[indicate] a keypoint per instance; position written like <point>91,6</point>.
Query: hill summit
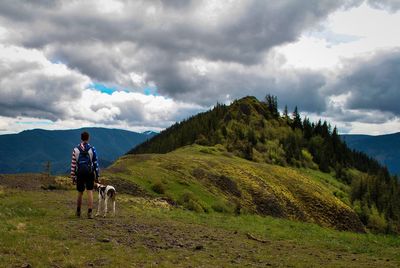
<point>256,132</point>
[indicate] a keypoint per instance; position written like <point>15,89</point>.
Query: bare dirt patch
<point>26,182</point>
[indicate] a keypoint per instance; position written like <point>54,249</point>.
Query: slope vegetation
<point>255,130</point>
<point>206,179</point>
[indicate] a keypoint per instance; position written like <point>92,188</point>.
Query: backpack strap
<point>82,150</point>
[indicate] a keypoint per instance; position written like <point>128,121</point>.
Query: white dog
<point>105,192</point>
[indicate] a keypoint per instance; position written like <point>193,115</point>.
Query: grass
<point>216,178</point>
<point>39,228</point>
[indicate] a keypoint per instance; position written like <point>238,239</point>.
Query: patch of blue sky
<point>57,61</point>
<point>150,91</point>
<point>103,88</point>
<point>45,122</point>
<point>334,38</point>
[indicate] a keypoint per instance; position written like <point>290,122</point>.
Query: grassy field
<point>38,229</point>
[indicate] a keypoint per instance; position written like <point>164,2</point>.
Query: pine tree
<point>286,113</point>
<point>272,103</point>
<point>296,124</point>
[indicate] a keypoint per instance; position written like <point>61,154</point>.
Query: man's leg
<point>90,198</point>
<point>79,204</point>
<point>80,187</point>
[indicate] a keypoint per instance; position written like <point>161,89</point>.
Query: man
<point>84,171</point>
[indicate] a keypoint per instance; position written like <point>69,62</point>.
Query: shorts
<point>85,182</point>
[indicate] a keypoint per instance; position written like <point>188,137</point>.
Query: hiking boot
<point>90,215</point>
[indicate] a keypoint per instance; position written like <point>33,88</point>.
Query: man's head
<point>85,136</point>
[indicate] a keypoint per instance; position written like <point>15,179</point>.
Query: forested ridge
<point>257,131</point>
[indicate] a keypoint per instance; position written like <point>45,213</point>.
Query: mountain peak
<point>254,130</point>
<point>149,133</point>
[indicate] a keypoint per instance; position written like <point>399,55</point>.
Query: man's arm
<point>73,166</point>
<point>95,164</point>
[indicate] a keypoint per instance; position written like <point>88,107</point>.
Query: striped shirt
<point>75,156</point>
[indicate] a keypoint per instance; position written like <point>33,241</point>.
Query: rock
<point>105,240</point>
<point>199,247</point>
<point>26,265</point>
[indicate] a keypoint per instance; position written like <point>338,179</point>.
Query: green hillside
<point>206,179</point>
<point>254,130</point>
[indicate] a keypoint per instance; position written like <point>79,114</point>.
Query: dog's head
<point>98,186</point>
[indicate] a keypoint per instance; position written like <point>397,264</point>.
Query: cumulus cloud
<point>156,38</point>
<point>229,30</point>
<point>392,5</point>
<point>372,83</point>
<point>225,82</point>
<point>191,54</point>
<point>133,108</point>
<point>31,85</point>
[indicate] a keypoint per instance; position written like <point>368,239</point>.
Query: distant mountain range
<point>384,148</point>
<point>29,150</point>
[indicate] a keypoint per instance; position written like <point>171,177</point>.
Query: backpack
<point>84,165</point>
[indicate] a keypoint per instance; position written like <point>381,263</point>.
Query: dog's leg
<point>105,206</point>
<point>113,200</point>
<point>99,206</point>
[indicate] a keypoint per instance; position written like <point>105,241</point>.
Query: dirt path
<point>194,245</point>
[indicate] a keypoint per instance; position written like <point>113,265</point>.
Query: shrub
<point>189,201</point>
<point>257,156</point>
<point>308,159</point>
<point>202,140</point>
<point>158,187</point>
<point>194,206</point>
<point>206,150</point>
<point>220,147</point>
<point>221,207</point>
<point>238,208</point>
<point>342,196</point>
<point>362,210</point>
<point>376,221</point>
<point>275,153</point>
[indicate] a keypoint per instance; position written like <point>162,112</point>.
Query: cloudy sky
<point>143,65</point>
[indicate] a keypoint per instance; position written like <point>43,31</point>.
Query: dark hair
<point>84,136</point>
